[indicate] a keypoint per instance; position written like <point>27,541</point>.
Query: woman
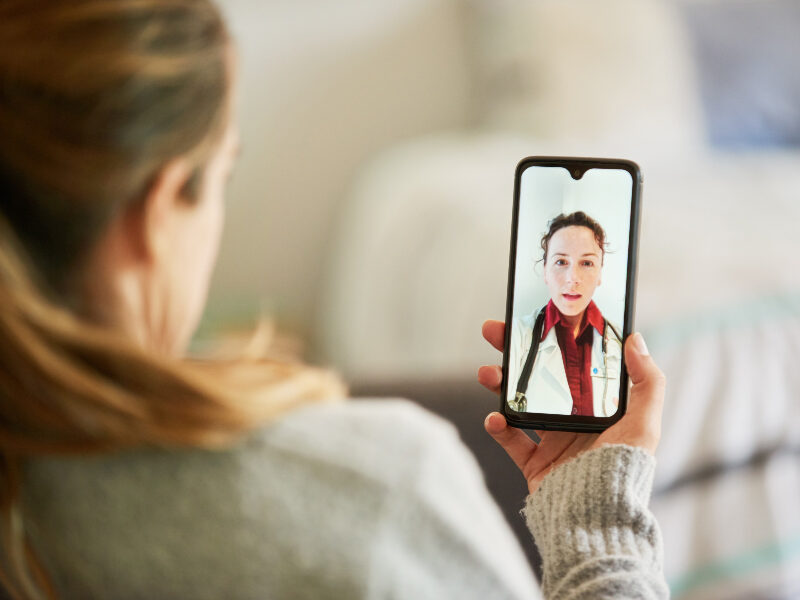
<point>128,472</point>
<point>565,358</point>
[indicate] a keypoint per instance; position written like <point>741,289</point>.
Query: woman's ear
<point>161,206</point>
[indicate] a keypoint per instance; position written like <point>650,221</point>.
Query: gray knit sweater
<point>374,499</point>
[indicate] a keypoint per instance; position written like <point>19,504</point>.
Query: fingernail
<point>488,418</point>
<point>639,344</point>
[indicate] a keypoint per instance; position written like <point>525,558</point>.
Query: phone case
<point>568,422</point>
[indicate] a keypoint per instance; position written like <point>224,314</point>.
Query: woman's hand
<point>640,426</point>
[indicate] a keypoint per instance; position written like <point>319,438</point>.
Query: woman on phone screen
<point>128,471</point>
<point>571,366</point>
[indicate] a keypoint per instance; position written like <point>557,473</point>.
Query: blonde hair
<point>95,97</point>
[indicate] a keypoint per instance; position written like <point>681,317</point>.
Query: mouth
<point>571,297</point>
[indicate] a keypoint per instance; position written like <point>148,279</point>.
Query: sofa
<point>372,217</point>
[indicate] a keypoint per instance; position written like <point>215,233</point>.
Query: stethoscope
<point>604,347</point>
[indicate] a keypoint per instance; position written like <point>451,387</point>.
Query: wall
<point>322,87</point>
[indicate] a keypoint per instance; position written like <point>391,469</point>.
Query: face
<point>194,239</point>
<point>572,269</point>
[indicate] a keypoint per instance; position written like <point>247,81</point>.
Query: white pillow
<point>617,71</point>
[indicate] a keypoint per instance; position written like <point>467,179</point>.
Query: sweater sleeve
<point>595,533</point>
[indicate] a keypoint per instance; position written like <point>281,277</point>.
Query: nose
<point>572,274</point>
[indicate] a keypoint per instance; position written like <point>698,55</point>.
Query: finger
<point>551,446</point>
<point>647,392</point>
<point>495,333</point>
<point>519,447</point>
<point>491,377</point>
<point>562,453</point>
<point>641,366</point>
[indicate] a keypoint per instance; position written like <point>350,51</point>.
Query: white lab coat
<point>548,390</point>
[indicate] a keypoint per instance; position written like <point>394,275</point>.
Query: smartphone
<point>571,292</point>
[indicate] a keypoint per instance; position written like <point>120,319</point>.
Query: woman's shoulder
<point>381,438</point>
<point>359,433</point>
<point>272,510</point>
<point>392,420</point>
<point>375,440</point>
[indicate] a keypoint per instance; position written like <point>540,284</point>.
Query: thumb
<point>647,392</point>
<point>641,366</point>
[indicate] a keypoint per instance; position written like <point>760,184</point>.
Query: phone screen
<point>571,288</point>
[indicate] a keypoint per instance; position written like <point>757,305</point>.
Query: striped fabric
<point>728,483</point>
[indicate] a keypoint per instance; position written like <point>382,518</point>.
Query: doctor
<point>575,366</point>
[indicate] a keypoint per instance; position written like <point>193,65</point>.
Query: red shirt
<point>576,352</point>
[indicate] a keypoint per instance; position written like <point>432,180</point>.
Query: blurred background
<point>370,217</point>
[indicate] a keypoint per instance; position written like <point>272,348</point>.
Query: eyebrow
<point>584,254</point>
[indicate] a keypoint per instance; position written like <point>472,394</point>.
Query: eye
<point>560,262</point>
<point>588,263</point>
